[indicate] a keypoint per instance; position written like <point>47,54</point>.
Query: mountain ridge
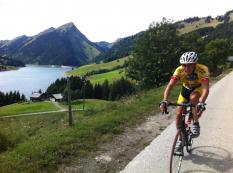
<point>64,45</point>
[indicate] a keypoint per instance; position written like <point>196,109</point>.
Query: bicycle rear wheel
<point>176,160</point>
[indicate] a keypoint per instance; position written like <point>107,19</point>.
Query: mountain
<point>121,48</point>
<point>2,42</point>
<point>64,45</point>
<point>104,45</point>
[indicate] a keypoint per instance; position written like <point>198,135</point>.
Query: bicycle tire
<point>175,160</point>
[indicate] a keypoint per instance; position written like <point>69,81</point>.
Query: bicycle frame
<point>184,127</point>
<point>184,133</point>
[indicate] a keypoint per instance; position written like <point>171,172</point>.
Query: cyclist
<point>195,88</point>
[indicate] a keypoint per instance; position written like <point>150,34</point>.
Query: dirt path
<point>56,104</point>
<point>114,156</point>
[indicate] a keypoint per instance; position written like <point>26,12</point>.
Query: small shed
<point>56,97</point>
<point>230,58</point>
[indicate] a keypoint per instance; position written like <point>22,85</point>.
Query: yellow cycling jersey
<point>193,80</point>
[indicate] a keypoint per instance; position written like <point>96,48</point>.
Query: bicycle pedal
<point>178,154</point>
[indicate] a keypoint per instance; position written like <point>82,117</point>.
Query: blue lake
<point>30,78</point>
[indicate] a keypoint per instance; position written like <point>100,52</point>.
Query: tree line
<point>82,88</point>
<point>11,97</point>
<point>6,61</point>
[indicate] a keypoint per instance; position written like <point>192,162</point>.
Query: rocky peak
<point>46,31</point>
<point>66,27</point>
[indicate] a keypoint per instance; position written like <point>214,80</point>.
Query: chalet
<point>36,96</point>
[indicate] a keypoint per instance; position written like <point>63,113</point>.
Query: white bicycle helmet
<point>188,58</point>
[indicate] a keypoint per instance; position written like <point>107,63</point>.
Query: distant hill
<point>123,47</point>
<point>104,45</point>
<point>65,45</point>
<point>195,23</point>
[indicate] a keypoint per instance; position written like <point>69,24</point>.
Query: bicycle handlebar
<point>182,104</point>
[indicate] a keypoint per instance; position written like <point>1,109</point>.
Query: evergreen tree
<point>97,91</point>
<point>18,96</point>
<point>106,90</point>
<point>23,98</point>
<point>88,90</point>
<point>121,88</point>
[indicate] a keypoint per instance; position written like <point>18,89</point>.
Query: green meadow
<point>80,71</point>
<point>110,76</point>
<point>27,107</point>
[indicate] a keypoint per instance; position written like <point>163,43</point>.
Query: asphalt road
<point>212,151</point>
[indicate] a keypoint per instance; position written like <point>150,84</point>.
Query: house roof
<point>57,96</point>
<point>230,58</point>
<point>35,95</point>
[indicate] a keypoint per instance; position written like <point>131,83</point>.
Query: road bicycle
<point>184,134</point>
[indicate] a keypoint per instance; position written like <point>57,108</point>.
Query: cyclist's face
<point>188,68</point>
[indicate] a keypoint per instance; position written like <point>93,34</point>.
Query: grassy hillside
<point>27,107</point>
<point>188,27</point>
<point>110,76</point>
<point>80,71</point>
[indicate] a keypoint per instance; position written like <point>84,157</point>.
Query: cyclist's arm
<point>169,87</point>
<point>205,90</point>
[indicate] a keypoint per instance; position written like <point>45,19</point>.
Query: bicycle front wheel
<point>189,143</point>
<point>176,159</point>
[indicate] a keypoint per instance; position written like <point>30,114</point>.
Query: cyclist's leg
<point>194,99</point>
<point>183,97</point>
<point>180,100</point>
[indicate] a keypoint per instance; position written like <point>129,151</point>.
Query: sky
<point>99,20</point>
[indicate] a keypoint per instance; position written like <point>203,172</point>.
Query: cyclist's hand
<point>163,107</point>
<point>201,106</point>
